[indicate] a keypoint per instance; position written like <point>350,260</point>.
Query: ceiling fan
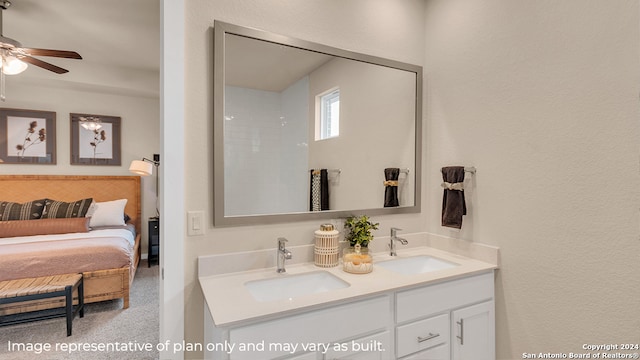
<point>11,50</point>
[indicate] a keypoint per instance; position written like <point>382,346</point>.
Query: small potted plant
<point>356,259</point>
<point>359,230</point>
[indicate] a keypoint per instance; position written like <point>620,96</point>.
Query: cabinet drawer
<point>422,302</point>
<point>440,352</point>
<point>422,334</point>
<point>316,326</point>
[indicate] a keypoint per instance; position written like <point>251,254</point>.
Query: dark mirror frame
<point>220,29</point>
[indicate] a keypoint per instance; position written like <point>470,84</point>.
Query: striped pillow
<point>59,209</point>
<point>31,210</point>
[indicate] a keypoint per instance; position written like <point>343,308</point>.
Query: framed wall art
<point>95,139</point>
<point>27,136</point>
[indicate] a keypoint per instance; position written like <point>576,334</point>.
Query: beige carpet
<point>106,324</point>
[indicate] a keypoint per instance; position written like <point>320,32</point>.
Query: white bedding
<point>122,233</point>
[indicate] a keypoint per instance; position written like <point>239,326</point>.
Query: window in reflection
<point>329,117</point>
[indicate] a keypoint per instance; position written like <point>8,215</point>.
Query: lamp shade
<point>141,168</point>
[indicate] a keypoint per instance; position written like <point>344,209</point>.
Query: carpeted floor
<point>105,324</point>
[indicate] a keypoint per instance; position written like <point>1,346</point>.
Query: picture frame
<point>27,137</point>
<point>95,147</point>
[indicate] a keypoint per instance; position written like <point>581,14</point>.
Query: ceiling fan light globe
<point>90,125</point>
<point>13,66</point>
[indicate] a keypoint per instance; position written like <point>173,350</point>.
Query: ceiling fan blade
<point>55,53</point>
<point>42,64</point>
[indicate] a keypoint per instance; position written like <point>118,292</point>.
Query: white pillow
<point>108,213</point>
<point>91,209</point>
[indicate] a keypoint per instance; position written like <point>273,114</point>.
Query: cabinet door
<point>473,334</point>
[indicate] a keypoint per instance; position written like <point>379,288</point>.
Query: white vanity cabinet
<point>448,320</point>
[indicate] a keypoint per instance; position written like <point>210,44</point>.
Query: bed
<point>107,276</point>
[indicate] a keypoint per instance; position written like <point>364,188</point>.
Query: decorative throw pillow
<point>43,227</point>
<point>26,211</point>
<point>54,209</point>
<point>108,213</point>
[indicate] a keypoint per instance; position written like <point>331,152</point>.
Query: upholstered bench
<point>19,290</point>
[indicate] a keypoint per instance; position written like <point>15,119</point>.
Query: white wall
<point>542,97</point>
<point>139,133</point>
<point>172,187</point>
<point>367,26</point>
<point>265,167</point>
<point>294,150</point>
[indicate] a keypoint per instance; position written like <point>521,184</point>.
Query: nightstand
<point>154,241</point>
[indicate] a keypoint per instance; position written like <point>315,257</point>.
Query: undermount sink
<point>416,264</point>
<point>290,286</point>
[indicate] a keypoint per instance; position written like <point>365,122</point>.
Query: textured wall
<point>542,97</point>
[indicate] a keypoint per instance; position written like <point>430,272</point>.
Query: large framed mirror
<point>306,131</point>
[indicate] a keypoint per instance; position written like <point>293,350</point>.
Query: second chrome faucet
<point>392,242</point>
<point>283,254</point>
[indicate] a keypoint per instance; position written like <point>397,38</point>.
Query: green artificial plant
<point>359,230</point>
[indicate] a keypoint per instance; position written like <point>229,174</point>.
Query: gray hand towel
<point>453,204</point>
<point>391,187</point>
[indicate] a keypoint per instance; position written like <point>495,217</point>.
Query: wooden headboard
<point>22,188</point>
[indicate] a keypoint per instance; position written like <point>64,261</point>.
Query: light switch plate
<point>195,223</point>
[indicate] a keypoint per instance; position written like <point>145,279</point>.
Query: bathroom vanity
<point>426,302</point>
<point>447,313</point>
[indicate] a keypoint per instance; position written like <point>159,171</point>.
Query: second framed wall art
<point>95,139</point>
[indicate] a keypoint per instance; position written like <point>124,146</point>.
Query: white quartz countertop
<point>231,303</point>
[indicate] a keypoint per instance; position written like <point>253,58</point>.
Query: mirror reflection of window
<point>329,114</point>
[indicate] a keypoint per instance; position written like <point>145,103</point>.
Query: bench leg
<point>81,297</point>
<point>69,307</point>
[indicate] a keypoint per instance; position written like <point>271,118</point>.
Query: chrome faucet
<point>394,238</point>
<point>283,254</point>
